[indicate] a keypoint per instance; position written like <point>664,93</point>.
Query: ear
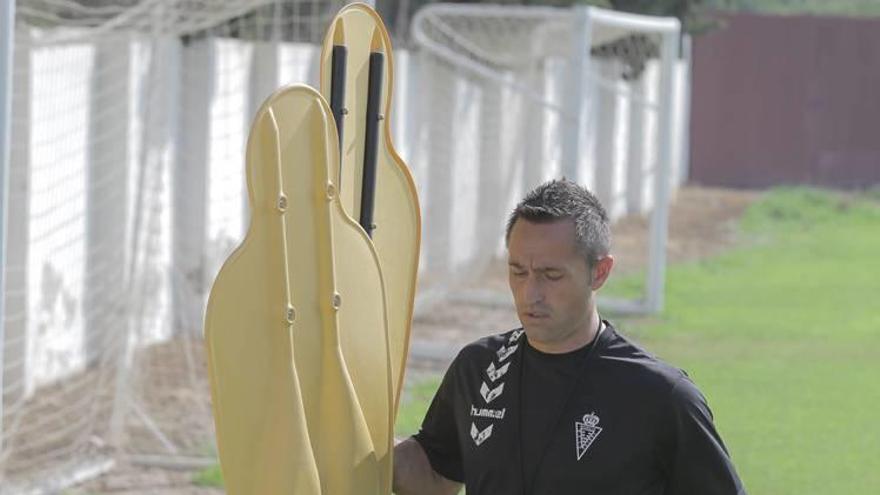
<point>601,271</point>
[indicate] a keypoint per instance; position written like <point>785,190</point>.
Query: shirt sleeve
<point>438,435</point>
<point>695,459</point>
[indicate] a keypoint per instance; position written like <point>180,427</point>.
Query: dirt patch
<point>63,430</point>
<point>702,223</point>
<point>127,479</point>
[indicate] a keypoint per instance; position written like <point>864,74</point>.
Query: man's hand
<point>413,474</point>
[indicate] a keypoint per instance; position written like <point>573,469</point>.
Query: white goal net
<point>129,119</point>
<point>513,96</point>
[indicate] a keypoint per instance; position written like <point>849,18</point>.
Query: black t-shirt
<point>547,382</point>
<point>607,418</point>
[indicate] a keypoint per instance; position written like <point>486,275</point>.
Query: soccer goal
<point>513,96</point>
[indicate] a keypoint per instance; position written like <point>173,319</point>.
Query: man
<point>565,405</point>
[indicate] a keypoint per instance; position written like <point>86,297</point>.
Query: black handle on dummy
<point>337,89</point>
<point>371,141</point>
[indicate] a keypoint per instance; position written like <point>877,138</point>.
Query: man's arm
<point>413,474</point>
<point>698,462</point>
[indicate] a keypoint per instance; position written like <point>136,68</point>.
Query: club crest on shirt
<point>496,373</point>
<point>480,436</point>
<point>505,352</point>
<point>585,433</point>
<point>490,394</point>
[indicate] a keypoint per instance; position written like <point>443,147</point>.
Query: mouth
<point>536,316</point>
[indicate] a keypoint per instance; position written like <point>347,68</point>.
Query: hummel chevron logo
<point>495,374</point>
<point>480,436</point>
<point>491,394</point>
<point>515,336</point>
<point>505,352</point>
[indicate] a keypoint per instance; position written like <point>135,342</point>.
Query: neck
<point>577,339</point>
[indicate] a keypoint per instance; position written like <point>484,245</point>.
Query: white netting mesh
<point>128,128</point>
<point>519,95</point>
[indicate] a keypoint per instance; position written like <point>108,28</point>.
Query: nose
<point>533,290</point>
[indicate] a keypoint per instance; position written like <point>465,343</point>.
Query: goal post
<point>7,24</point>
<point>587,93</point>
<point>669,31</point>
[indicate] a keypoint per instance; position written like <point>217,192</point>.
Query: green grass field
<point>782,335</point>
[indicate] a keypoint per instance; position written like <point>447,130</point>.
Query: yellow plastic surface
<point>287,416</point>
<point>396,214</point>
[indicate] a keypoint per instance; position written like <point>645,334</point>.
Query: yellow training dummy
<point>308,321</point>
<point>357,75</point>
<point>287,415</point>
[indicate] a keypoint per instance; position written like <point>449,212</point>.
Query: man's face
<point>551,283</point>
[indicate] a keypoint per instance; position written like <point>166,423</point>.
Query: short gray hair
<point>565,200</point>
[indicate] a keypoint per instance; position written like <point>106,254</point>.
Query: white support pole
<point>574,124</point>
<point>7,26</point>
<point>411,114</point>
<point>264,79</point>
<point>190,187</point>
<point>534,161</point>
<point>160,121</point>
<point>440,198</point>
<point>637,123</point>
<point>16,368</point>
<point>492,153</point>
<point>665,153</point>
<point>107,198</point>
<point>605,116</point>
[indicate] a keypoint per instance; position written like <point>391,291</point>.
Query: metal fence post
<point>7,25</point>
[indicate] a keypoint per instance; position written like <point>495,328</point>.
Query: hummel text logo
<point>480,436</point>
<point>490,394</point>
<point>488,413</point>
<point>495,374</point>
